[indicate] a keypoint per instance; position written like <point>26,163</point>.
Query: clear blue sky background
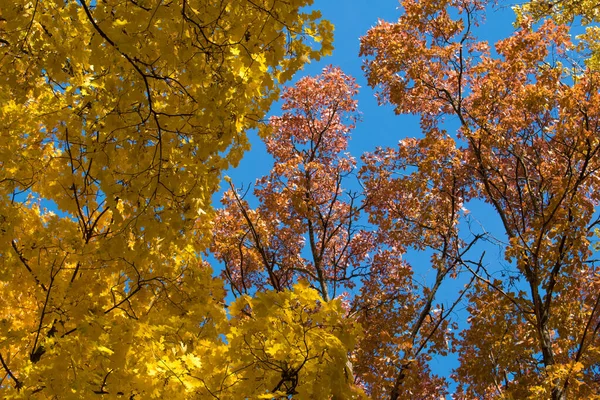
<point>379,125</point>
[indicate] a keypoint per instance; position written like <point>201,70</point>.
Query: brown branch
<point>127,57</point>
<point>502,292</point>
<point>25,262</point>
<point>38,351</point>
<point>103,384</point>
<point>267,264</point>
<point>18,383</point>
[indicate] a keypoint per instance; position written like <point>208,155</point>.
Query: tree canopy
<point>116,120</point>
<point>120,279</point>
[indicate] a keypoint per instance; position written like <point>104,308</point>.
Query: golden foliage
<point>116,120</point>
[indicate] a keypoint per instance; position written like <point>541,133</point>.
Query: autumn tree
<point>303,204</point>
<point>306,224</point>
<point>527,145</point>
<point>310,225</point>
<point>116,120</point>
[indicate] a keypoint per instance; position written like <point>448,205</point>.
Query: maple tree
<point>116,120</point>
<point>302,200</point>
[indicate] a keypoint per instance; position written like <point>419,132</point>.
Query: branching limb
<point>18,383</point>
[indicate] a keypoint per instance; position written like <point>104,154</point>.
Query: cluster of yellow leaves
<point>562,11</point>
<point>292,343</point>
<point>116,120</point>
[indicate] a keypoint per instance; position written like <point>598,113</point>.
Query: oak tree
<point>527,144</point>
